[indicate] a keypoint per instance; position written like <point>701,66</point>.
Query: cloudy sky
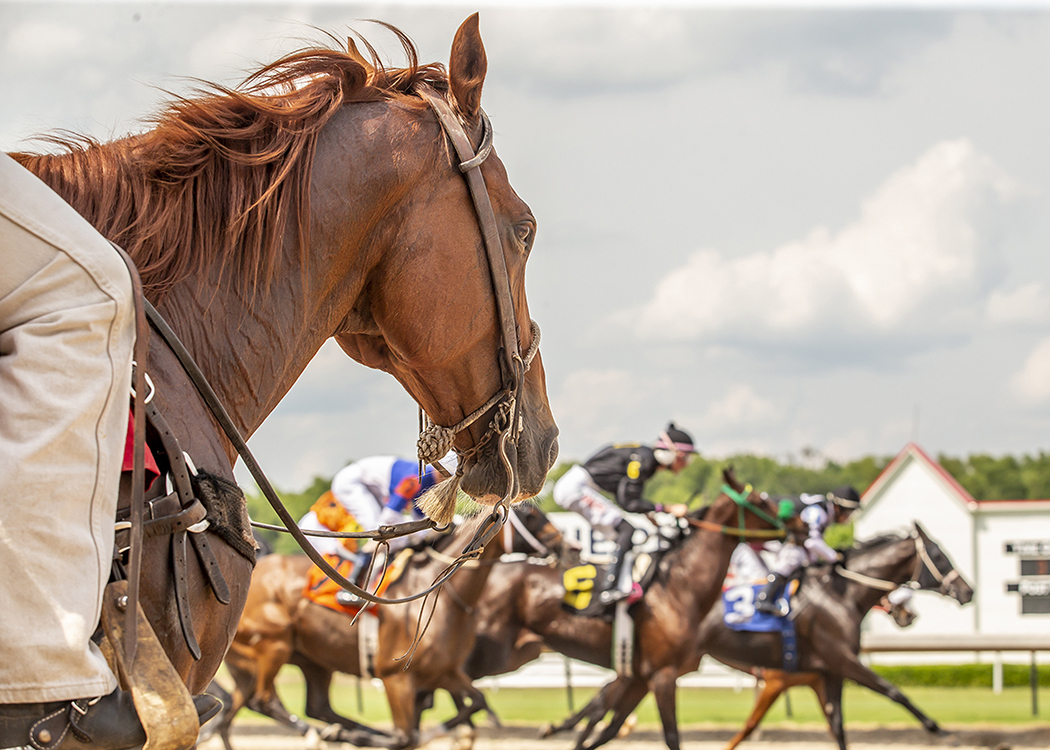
<point>784,227</point>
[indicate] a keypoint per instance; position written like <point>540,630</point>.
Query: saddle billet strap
<point>182,601</point>
<point>180,475</point>
<point>210,566</point>
<point>138,471</point>
<point>167,516</point>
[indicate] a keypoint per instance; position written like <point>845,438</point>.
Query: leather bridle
<point>435,440</point>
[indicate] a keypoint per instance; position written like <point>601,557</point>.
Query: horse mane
<point>867,545</point>
<point>224,170</point>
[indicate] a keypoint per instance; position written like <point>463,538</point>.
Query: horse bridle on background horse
<point>923,563</point>
<point>744,504</point>
<point>435,440</point>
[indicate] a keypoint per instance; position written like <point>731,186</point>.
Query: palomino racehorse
<point>279,625</point>
<point>829,607</point>
<point>321,200</point>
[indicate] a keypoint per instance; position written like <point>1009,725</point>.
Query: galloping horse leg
<point>256,691</point>
<point>631,695</point>
<point>773,685</point>
<point>595,709</point>
<point>860,674</point>
<point>401,695</point>
<point>468,699</point>
<point>832,707</point>
<point>318,704</point>
<point>664,684</point>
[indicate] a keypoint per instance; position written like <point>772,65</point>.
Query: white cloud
<point>739,406</point>
<point>587,397</point>
<point>1032,383</point>
<point>1025,304</point>
<point>43,44</point>
<point>914,260</point>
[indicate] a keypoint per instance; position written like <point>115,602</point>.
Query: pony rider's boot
<point>106,723</point>
<point>610,588</point>
<point>766,600</point>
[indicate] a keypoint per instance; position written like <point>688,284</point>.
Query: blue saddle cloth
<point>739,613</point>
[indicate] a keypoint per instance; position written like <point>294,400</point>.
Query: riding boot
<point>611,588</point>
<point>766,600</point>
<point>106,723</point>
<point>356,572</point>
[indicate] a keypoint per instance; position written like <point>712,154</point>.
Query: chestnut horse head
<point>322,199</point>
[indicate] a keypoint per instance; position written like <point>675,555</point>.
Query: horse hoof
<point>464,738</point>
<point>628,725</point>
<point>546,730</point>
<point>312,739</point>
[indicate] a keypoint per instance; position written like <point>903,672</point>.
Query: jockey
<point>66,337</point>
<point>621,471</point>
<point>817,512</point>
<point>369,493</point>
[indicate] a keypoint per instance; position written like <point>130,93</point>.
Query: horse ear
<point>920,529</point>
<point>467,67</point>
<point>729,476</point>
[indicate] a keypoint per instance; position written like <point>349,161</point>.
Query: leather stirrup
<point>162,701</point>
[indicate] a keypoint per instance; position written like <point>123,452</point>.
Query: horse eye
<point>524,232</point>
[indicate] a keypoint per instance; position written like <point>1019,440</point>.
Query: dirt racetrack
<point>260,737</point>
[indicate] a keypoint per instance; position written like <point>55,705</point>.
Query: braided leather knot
<point>434,443</point>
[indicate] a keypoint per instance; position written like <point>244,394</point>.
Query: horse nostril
<point>552,455</point>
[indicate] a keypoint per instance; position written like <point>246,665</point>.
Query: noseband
<point>436,440</point>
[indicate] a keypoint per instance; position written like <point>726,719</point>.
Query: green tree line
<point>984,476</point>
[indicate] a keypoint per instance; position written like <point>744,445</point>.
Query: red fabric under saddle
<point>152,470</point>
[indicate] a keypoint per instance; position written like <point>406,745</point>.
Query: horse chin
<point>962,594</point>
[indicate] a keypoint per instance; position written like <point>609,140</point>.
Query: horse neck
<point>469,581</point>
<point>892,563</point>
<point>251,344</point>
<point>696,572</point>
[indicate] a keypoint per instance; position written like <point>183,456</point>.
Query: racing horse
<point>829,607</point>
<point>686,584</point>
<point>280,625</point>
<point>772,683</point>
<point>320,199</point>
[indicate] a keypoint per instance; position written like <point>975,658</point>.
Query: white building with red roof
<point>1001,547</point>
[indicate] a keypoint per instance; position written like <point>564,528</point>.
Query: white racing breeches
<point>576,491</point>
<point>66,336</point>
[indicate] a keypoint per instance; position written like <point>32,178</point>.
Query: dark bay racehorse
<point>829,607</point>
<point>687,584</point>
<point>319,200</point>
<point>280,626</point>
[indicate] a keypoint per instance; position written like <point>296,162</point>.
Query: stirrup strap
<point>138,490</point>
